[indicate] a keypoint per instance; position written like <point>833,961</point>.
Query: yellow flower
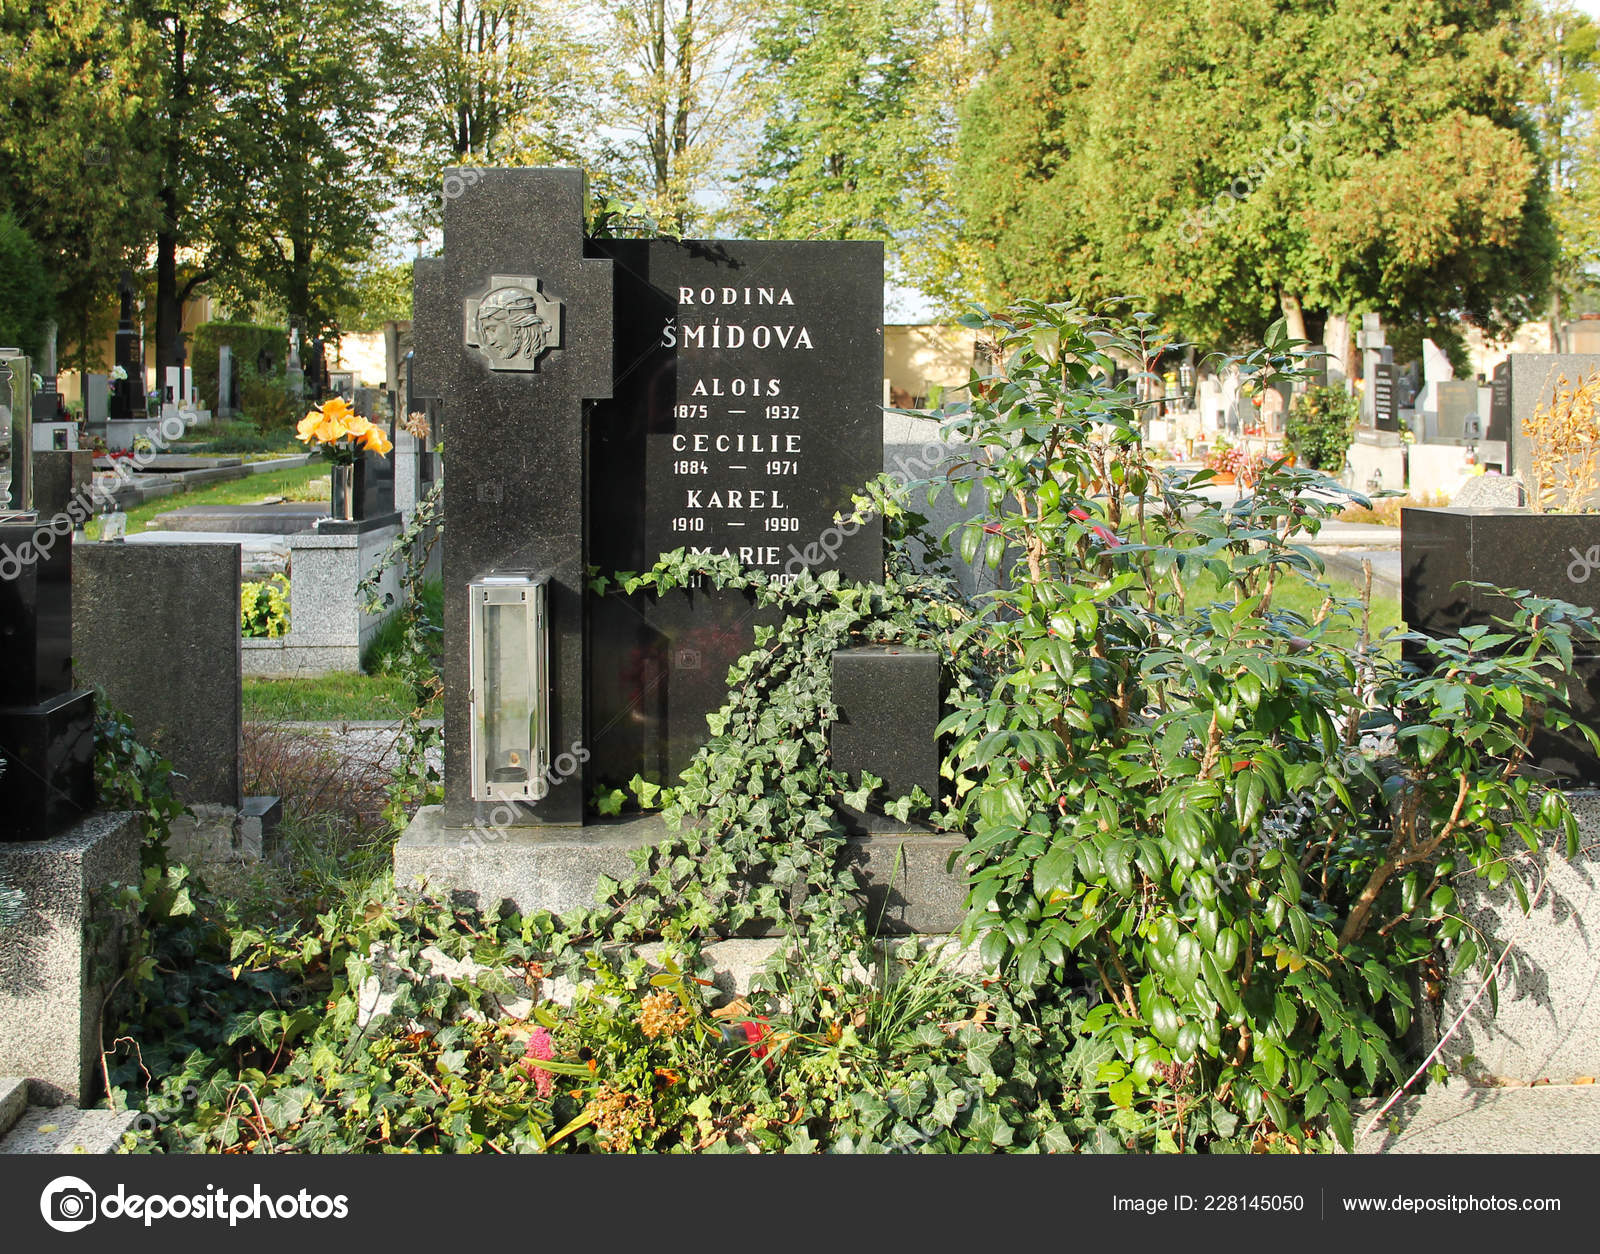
<point>330,430</point>
<point>306,431</point>
<point>337,408</point>
<point>357,427</point>
<point>377,441</point>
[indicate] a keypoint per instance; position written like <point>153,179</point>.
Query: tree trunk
<point>1336,339</point>
<point>169,305</point>
<point>1293,316</point>
<point>169,309</point>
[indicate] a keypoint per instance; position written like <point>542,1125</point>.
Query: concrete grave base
<point>556,868</point>
<point>220,834</point>
<point>732,965</point>
<point>328,623</point>
<point>50,1000</point>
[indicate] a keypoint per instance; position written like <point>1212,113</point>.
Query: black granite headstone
<point>46,729</point>
<point>1385,401</point>
<point>514,378</point>
<point>889,703</point>
<point>1550,555</point>
<point>127,394</point>
<point>746,413</point>
<point>735,392</point>
<point>375,475</point>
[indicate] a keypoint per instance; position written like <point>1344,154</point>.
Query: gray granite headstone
<point>1522,383</point>
<point>514,495</point>
<point>225,382</point>
<point>157,627</point>
<point>96,399</point>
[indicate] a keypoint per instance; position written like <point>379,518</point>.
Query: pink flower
<point>540,1046</point>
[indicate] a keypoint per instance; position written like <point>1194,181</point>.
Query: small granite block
<point>1548,1024</point>
<point>68,1131</point>
<point>890,705</point>
<point>49,1001</point>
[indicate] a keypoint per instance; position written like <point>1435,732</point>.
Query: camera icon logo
<point>68,1204</point>
<point>688,659</point>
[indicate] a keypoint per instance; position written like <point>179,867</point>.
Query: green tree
<point>77,169</point>
<point>1240,160</point>
<point>1563,103</point>
<point>859,124</point>
<point>675,103</point>
<point>487,83</point>
<point>306,146</point>
<point>26,294</point>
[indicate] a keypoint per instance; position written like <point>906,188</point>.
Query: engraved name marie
<point>513,324</point>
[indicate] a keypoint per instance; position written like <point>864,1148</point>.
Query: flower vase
<point>344,492</point>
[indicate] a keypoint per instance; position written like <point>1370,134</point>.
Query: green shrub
<point>1239,825</point>
<point>1320,426</point>
<point>264,608</point>
<point>268,403</point>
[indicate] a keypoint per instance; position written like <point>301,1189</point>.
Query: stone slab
<point>164,462</point>
<point>277,519</point>
<point>63,1130</point>
<point>556,868</point>
<point>1346,565</point>
<point>59,478</point>
<point>13,1100</point>
<point>1462,1119</point>
<point>157,626</point>
<point>50,998</point>
<point>261,554</point>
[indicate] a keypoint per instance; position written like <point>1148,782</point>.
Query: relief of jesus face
<point>496,336</point>
<point>510,327</point>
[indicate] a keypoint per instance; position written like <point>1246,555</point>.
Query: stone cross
<point>513,334</point>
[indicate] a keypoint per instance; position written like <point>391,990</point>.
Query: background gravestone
<point>157,626</point>
<point>1522,383</point>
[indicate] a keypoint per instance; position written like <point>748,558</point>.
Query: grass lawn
<point>359,697</point>
<point>301,483</point>
<point>1295,593</point>
<point>326,698</point>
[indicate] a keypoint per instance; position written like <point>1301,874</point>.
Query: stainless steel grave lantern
<point>510,697</point>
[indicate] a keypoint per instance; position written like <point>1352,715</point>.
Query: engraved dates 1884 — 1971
<point>513,324</point>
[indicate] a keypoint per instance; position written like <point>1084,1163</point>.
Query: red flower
<point>756,1032</point>
<point>541,1047</point>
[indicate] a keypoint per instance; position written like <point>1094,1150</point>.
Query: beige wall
<point>364,353</point>
<point>916,358</point>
